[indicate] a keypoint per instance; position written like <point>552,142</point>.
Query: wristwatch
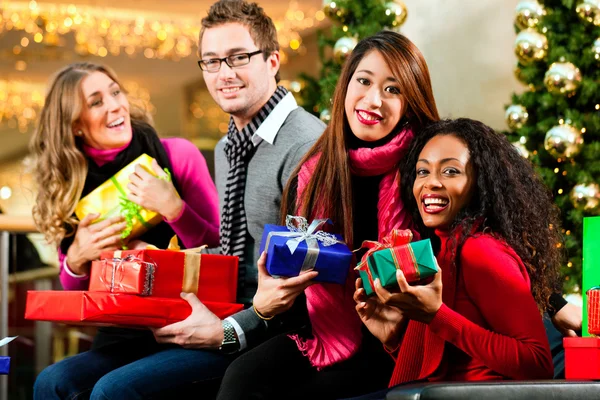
<point>230,343</point>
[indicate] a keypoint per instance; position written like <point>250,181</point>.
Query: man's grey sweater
<point>267,174</point>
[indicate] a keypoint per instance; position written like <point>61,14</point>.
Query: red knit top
<point>488,327</point>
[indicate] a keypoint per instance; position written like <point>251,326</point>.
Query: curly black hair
<point>510,201</point>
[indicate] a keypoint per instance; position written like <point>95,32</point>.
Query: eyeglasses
<point>234,60</point>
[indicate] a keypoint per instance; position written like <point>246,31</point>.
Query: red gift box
<point>211,277</point>
<point>582,358</point>
<point>120,276</point>
<point>107,309</point>
<point>593,309</point>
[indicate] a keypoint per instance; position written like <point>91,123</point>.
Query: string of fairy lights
<point>65,31</point>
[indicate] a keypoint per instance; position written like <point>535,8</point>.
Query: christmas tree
<point>352,21</point>
<point>555,122</point>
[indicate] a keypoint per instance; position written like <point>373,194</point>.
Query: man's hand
<point>568,320</point>
<point>276,295</point>
<point>385,322</point>
<point>155,194</point>
<point>201,330</point>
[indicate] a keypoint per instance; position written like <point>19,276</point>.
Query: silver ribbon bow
<point>300,231</point>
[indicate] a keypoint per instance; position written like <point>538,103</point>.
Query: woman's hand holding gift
<point>276,295</point>
<point>154,193</point>
<point>92,239</point>
<point>419,303</point>
<point>385,322</point>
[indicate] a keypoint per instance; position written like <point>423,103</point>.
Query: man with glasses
<point>268,135</point>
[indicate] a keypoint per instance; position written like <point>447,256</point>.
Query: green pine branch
<point>569,40</point>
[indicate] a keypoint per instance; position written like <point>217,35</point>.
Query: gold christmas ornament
<point>563,141</point>
<point>516,116</point>
<point>586,197</point>
<point>589,11</point>
<point>398,10</point>
<point>333,10</point>
<point>325,116</point>
<point>342,49</point>
<point>528,14</point>
<point>329,8</point>
<point>521,149</point>
<point>596,49</point>
<point>519,74</point>
<point>531,46</point>
<point>563,78</point>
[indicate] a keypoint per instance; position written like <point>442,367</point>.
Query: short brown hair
<point>251,15</point>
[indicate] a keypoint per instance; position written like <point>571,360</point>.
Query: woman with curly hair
<point>87,132</point>
<point>496,229</point>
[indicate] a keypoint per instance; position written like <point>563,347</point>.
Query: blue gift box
<point>4,365</point>
<point>5,361</point>
<point>332,262</point>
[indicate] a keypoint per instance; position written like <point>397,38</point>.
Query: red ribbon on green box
<point>416,260</point>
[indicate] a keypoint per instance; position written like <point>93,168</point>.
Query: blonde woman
<point>87,132</point>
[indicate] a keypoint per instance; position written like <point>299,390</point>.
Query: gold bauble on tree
<point>516,116</point>
<point>342,49</point>
<point>563,141</point>
<point>531,46</point>
<point>589,11</point>
<point>519,74</point>
<point>398,10</point>
<point>333,10</point>
<point>329,8</point>
<point>586,197</point>
<point>325,116</point>
<point>596,49</point>
<point>521,149</point>
<point>563,78</point>
<point>528,14</point>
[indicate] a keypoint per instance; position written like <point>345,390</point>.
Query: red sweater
<point>488,327</point>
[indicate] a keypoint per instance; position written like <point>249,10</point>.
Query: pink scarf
<point>336,327</point>
<point>102,157</point>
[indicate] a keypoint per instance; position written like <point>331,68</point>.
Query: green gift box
<point>591,263</point>
<point>416,260</point>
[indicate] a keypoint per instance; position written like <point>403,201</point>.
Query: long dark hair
<point>510,201</point>
<point>329,188</point>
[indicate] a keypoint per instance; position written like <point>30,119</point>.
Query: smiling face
<point>104,121</point>
<point>239,91</point>
<point>444,182</point>
<point>373,104</point>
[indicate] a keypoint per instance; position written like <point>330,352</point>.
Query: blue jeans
<point>555,339</point>
<point>129,371</point>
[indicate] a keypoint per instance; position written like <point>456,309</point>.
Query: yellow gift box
<point>110,199</point>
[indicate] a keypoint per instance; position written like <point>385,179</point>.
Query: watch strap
<point>230,340</point>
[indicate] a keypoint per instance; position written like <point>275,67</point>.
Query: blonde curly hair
<point>60,165</point>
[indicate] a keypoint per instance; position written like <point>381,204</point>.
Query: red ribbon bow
<point>397,237</point>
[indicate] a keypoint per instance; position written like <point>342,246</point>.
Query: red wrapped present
<point>128,275</point>
<point>210,277</point>
<point>582,358</point>
<point>593,310</point>
<point>109,309</point>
